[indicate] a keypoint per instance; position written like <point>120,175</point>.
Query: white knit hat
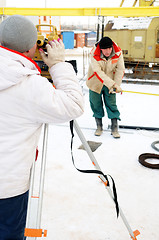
<point>18,33</point>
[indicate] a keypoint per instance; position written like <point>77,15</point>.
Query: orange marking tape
<point>136,233</point>
<point>45,233</point>
<point>105,183</point>
<point>30,232</point>
<point>93,163</point>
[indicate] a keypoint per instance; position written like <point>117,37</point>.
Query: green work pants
<point>96,103</point>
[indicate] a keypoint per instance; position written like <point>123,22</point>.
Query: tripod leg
<point>95,163</point>
<point>33,230</point>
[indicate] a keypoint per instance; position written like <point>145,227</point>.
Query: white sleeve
<point>62,103</point>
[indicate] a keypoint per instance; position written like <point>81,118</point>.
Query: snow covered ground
<point>77,206</point>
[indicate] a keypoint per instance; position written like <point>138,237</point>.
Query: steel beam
<point>121,4</point>
<point>119,11</point>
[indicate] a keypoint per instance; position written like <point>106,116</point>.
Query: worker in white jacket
<point>27,101</point>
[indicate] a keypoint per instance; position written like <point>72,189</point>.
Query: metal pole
<point>32,174</point>
<point>102,26</point>
<point>95,163</point>
<point>42,174</point>
<point>98,28</point>
<point>34,211</point>
<point>83,63</point>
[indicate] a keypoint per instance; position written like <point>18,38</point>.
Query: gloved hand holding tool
<point>115,89</point>
<point>55,53</point>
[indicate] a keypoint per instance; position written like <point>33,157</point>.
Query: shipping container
<point>90,39</point>
<point>79,40</point>
<point>68,39</point>
<point>138,45</point>
<point>139,41</point>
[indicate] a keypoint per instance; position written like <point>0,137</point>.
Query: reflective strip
<point>101,80</point>
<point>91,76</point>
<point>114,61</point>
<point>95,74</point>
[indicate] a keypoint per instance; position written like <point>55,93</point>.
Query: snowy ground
<point>77,206</point>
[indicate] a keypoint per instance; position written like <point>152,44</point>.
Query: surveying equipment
<point>42,41</point>
<point>103,178</point>
<point>34,212</point>
<point>33,229</point>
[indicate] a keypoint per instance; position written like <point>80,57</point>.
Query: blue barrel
<point>68,39</point>
<point>90,39</point>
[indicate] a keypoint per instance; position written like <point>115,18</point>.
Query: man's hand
<point>55,53</point>
<point>115,89</point>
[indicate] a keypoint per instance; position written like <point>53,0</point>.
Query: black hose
<point>154,147</point>
<point>139,128</point>
<point>144,156</point>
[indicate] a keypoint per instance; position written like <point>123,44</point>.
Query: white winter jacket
<point>28,100</point>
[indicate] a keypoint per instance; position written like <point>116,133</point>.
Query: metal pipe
<point>102,26</point>
<point>98,28</point>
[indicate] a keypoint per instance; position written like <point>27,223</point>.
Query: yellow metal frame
<point>121,4</point>
<point>119,11</point>
<point>135,1</point>
<point>142,3</point>
<point>145,3</point>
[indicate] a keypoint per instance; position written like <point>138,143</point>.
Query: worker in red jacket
<point>105,74</point>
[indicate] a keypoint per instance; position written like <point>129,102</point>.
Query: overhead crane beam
<point>119,11</point>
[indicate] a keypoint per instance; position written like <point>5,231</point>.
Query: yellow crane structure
<point>142,3</point>
<point>142,11</point>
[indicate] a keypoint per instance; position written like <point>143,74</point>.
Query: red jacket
<point>102,71</point>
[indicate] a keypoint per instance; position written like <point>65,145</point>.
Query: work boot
<point>99,129</point>
<point>114,128</point>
